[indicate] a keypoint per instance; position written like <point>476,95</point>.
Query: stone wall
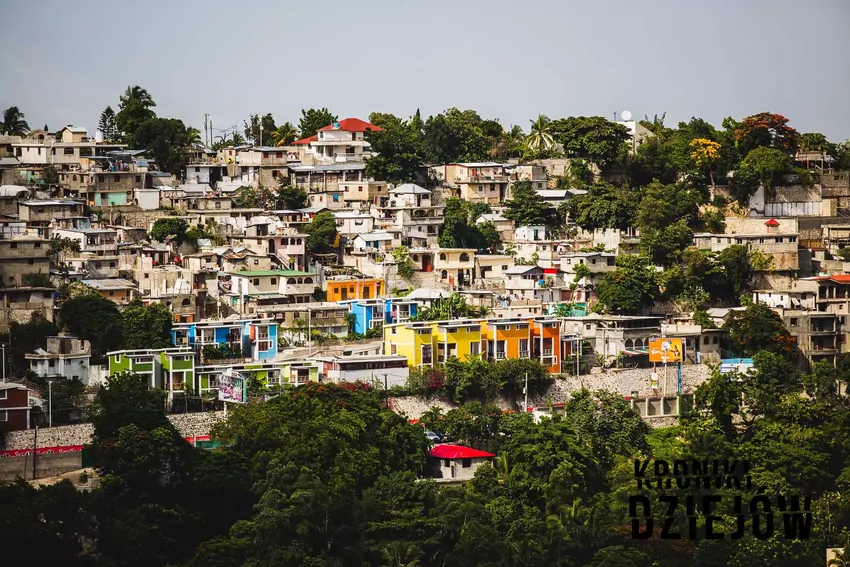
<point>623,382</point>
<point>46,466</point>
<point>189,424</point>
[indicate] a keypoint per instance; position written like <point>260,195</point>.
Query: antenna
<point>626,115</point>
<point>615,116</point>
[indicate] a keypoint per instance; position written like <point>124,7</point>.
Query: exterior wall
<point>338,290</point>
<point>14,408</point>
<point>67,366</point>
<point>363,191</point>
<point>24,262</point>
<point>456,469</point>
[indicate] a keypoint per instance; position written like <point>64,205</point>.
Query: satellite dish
<point>626,115</point>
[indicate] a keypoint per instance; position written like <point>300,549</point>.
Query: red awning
<point>452,452</point>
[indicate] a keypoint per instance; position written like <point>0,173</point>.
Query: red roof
<point>352,125</point>
<point>772,222</point>
<point>312,138</point>
<point>452,452</point>
<point>839,278</point>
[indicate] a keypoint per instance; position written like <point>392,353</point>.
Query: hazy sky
<point>63,62</point>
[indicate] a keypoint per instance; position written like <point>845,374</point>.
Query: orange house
<point>546,345</point>
<point>506,338</point>
<point>343,289</point>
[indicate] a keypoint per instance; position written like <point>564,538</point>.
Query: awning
<point>636,352</point>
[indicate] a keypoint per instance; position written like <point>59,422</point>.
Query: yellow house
<point>433,342</point>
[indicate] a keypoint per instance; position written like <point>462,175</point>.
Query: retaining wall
<point>190,424</point>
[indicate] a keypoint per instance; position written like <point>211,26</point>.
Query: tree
<point>631,287</point>
<point>758,328</point>
<point>705,153</point>
<point>313,119</point>
<point>766,130</point>
<point>322,236</point>
<point>763,167</point>
<point>459,228</point>
<point>166,141</point>
<point>736,265</point>
<point>169,227</point>
<point>193,137</point>
<point>134,109</point>
<point>814,142</point>
<point>284,134</point>
<point>95,319</point>
<point>446,308</point>
<point>14,123</point>
<point>398,151</point>
<point>592,137</point>
<point>605,206</point>
<point>663,218</point>
<point>252,128</point>
<point>539,141</point>
<point>106,124</point>
<point>526,207</point>
<point>291,198</point>
<point>456,136</point>
<point>146,327</point>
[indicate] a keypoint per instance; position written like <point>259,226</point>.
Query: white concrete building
<point>65,356</point>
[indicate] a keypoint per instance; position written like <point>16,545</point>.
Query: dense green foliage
<point>453,306</point>
<point>313,119</point>
<point>322,236</point>
<point>326,475</point>
<point>146,327</point>
<point>461,230</point>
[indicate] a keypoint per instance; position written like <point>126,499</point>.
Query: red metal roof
<point>312,138</point>
<point>352,125</point>
<point>839,278</point>
<point>772,222</point>
<point>452,452</point>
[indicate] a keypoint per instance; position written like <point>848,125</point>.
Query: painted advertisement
<point>232,387</point>
<point>666,350</point>
<point>41,451</point>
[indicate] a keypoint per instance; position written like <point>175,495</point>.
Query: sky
<point>64,62</point>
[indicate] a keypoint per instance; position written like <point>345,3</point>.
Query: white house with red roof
<point>456,463</point>
<point>340,142</point>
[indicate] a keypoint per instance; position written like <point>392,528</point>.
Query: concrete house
<point>64,356</point>
<point>456,463</point>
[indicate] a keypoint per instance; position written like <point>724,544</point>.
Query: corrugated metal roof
<point>14,191</point>
<point>328,168</point>
<point>9,161</point>
<point>110,284</point>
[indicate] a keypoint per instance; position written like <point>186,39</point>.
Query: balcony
<point>482,179</point>
<point>523,354</point>
<point>547,352</point>
<point>501,355</point>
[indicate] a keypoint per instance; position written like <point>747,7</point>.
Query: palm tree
<point>400,554</point>
<point>539,139</point>
<point>840,558</point>
<point>193,136</point>
<point>285,134</point>
<point>13,122</point>
<point>139,94</point>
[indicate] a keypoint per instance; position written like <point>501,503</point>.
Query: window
<point>792,239</point>
<point>474,348</point>
<point>466,463</point>
<point>274,281</point>
<point>393,349</point>
<point>705,340</point>
<point>464,257</point>
<point>505,267</point>
<point>256,281</point>
<point>13,245</point>
<point>101,178</point>
<point>30,261</point>
<point>3,394</point>
<point>442,256</point>
<point>147,276</point>
<point>715,340</point>
<point>353,136</point>
<point>793,321</point>
<point>68,151</point>
<point>4,415</point>
<point>117,358</point>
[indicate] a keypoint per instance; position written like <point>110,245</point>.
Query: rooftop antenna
<point>615,116</point>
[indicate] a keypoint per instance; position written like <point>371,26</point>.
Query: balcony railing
<point>523,354</point>
<point>501,355</point>
<point>547,352</point>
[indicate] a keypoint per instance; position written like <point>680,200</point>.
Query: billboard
<point>666,350</point>
<point>740,365</point>
<point>232,387</point>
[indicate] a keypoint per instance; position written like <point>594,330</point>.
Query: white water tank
<point>98,137</point>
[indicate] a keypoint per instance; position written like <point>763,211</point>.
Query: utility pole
<point>3,347</point>
<point>206,130</point>
<point>50,403</point>
<point>34,450</point>
<point>525,391</point>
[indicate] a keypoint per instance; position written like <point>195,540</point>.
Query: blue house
<point>369,313</point>
<point>251,339</point>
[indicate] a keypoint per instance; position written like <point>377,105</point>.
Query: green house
<point>270,374</point>
<point>169,369</point>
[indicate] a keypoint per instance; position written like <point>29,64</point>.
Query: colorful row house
<point>246,339</point>
<point>434,342</point>
<point>169,369</point>
<point>342,288</point>
<point>272,375</point>
<point>371,313</point>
